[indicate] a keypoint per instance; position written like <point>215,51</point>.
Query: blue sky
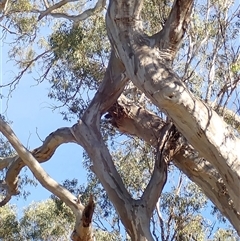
<point>30,111</point>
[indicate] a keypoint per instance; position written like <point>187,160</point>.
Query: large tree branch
<point>151,73</point>
<point>170,37</point>
<point>38,171</point>
<point>135,120</point>
<point>100,4</point>
<point>87,134</point>
<point>42,154</point>
<point>54,7</point>
<point>111,87</point>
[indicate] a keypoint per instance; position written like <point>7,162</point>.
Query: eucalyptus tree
<point>171,80</point>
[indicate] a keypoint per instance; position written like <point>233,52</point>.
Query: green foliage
<point>79,57</point>
<point>21,5</point>
<point>181,208</point>
<point>9,227</point>
<point>5,148</point>
<point>79,52</point>
<point>103,235</point>
<point>135,165</point>
<point>225,235</point>
<point>235,67</point>
<point>155,13</point>
<point>65,43</point>
<point>41,221</point>
<point>21,18</point>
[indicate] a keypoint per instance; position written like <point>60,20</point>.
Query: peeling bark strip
<point>88,213</point>
<point>150,71</point>
<point>83,230</point>
<point>3,5</point>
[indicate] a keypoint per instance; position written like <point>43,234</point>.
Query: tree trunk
<point>149,68</point>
